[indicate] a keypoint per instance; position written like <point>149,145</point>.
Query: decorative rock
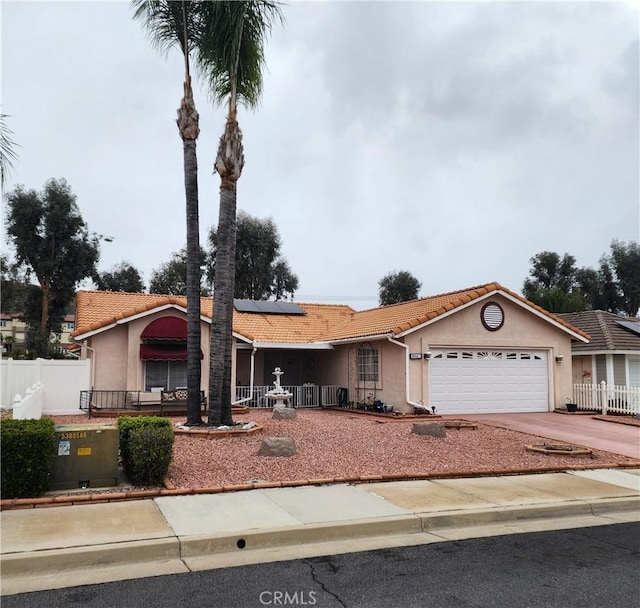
<point>278,446</point>
<point>284,413</point>
<point>435,429</point>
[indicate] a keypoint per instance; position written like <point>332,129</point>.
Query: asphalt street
<point>575,568</point>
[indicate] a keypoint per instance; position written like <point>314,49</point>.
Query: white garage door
<point>488,381</point>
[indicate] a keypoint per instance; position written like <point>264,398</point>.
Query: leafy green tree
<point>122,277</point>
<point>557,285</point>
<point>261,272</point>
<point>14,285</point>
<point>556,300</point>
<point>599,287</point>
<point>7,149</point>
<point>52,240</point>
<point>170,278</point>
<point>549,270</point>
<point>170,24</point>
<point>231,58</point>
<point>624,261</point>
<point>398,286</point>
<point>552,283</point>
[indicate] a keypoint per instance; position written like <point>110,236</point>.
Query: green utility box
<point>86,456</point>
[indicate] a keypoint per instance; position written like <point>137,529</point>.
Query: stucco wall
<point>109,359</point>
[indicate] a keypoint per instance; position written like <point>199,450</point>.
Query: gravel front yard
<point>336,446</point>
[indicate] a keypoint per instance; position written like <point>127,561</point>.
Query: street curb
<point>518,513</point>
<point>38,563</point>
<point>194,546</point>
<point>178,550</point>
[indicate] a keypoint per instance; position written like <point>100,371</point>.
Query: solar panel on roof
<point>289,308</point>
<point>246,305</point>
<point>634,326</point>
<point>268,307</point>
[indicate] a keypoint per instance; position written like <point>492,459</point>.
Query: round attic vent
<point>492,316</point>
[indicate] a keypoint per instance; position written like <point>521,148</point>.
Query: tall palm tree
<point>231,58</point>
<point>170,24</point>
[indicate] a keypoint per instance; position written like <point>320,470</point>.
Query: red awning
<point>164,352</point>
<point>166,328</point>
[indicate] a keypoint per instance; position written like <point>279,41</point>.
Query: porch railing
<point>307,395</point>
<point>607,398</point>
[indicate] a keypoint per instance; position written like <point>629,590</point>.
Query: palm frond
<point>164,22</point>
<point>7,149</point>
<point>230,47</point>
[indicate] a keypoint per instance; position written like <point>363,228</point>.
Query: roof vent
<point>492,316</point>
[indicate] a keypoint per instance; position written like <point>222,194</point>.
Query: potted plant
<point>571,407</point>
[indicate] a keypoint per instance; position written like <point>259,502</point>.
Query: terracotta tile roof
<point>604,330</point>
<point>402,317</point>
<point>99,309</point>
<point>96,310</point>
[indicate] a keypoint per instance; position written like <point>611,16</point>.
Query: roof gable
<point>604,329</point>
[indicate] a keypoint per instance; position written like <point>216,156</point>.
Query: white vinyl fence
<point>54,384</point>
<point>607,398</point>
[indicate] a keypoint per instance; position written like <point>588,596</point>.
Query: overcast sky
<point>451,140</point>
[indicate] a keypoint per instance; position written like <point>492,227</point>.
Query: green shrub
<point>150,451</point>
<point>146,448</point>
<point>28,449</point>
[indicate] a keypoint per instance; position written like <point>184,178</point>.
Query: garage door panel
<point>486,380</point>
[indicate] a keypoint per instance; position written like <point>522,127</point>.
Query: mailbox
<point>86,456</point>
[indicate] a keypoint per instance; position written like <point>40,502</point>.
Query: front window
<point>169,375</point>
<point>368,364</point>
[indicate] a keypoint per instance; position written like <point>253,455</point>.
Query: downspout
<point>93,362</point>
<point>253,352</point>
<point>406,373</point>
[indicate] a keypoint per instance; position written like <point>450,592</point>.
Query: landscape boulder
<point>283,413</point>
<point>278,446</point>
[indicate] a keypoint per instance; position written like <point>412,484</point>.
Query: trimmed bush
<point>146,448</point>
<point>150,452</point>
<point>28,449</point>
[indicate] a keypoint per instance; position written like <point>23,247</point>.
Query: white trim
<point>586,353</point>
<point>486,296</point>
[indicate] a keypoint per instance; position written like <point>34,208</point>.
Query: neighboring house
<point>612,355</point>
<point>13,334</point>
<point>482,349</point>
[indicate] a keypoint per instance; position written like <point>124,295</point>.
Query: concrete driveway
<point>580,429</point>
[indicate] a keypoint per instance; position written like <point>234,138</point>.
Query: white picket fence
<point>44,386</point>
<point>607,398</point>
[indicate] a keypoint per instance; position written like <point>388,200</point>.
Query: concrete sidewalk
<point>65,546</point>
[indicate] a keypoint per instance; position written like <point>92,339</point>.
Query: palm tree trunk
<point>189,130</point>
<point>229,163</point>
